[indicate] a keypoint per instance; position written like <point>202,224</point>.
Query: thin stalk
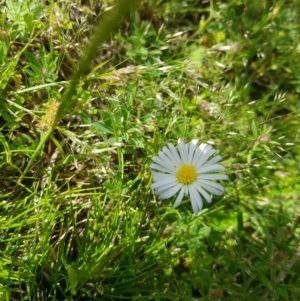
<point>108,23</point>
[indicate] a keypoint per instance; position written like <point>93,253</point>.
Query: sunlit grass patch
<point>81,121</point>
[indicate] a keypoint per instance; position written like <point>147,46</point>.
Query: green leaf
<point>102,129</point>
<point>254,129</point>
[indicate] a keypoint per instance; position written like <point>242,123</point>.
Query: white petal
<point>212,161</point>
<point>215,167</point>
<point>165,178</point>
<point>175,154</point>
<point>183,151</point>
<point>197,156</point>
<point>165,182</point>
<point>169,192</point>
<point>166,152</point>
<point>196,200</point>
<point>185,190</point>
<point>191,151</point>
<point>163,159</point>
<point>157,167</point>
<point>164,162</point>
<point>161,175</point>
<point>179,198</point>
<point>203,193</point>
<point>212,187</point>
<point>204,147</point>
<point>172,154</point>
<point>212,176</point>
<point>203,155</point>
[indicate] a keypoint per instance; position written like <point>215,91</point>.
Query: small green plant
<point>24,17</point>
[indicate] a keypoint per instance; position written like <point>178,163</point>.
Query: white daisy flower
<point>191,171</point>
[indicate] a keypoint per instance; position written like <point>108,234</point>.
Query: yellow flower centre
<point>186,174</point>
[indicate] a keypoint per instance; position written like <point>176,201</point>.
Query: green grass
<point>90,94</point>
